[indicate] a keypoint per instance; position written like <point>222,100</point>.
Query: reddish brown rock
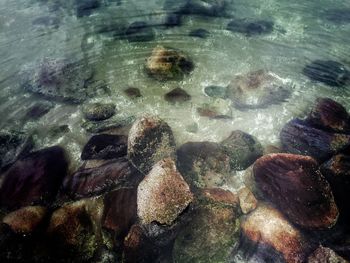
<point>177,95</point>
<point>297,187</point>
<point>325,255</point>
<point>25,220</point>
<point>247,200</point>
<point>268,230</point>
<point>218,195</point>
<point>163,194</point>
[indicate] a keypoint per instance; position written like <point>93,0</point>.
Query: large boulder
<point>34,179</point>
<point>257,89</point>
<point>296,186</point>
<point>163,194</point>
<point>168,64</point>
<point>298,137</point>
<point>150,140</point>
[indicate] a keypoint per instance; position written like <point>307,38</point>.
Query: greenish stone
<point>216,91</point>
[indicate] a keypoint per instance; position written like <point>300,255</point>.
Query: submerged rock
<point>299,138</point>
<point>168,64</point>
<point>338,16</point>
<point>177,95</point>
<point>216,91</point>
<point>99,111</point>
<point>86,7</point>
<point>271,238</point>
<point>105,146</point>
<point>296,186</point>
<point>329,72</point>
<point>203,164</point>
<point>242,148</point>
<point>34,179</point>
<point>116,122</point>
<point>325,255</point>
<point>163,194</point>
<point>133,93</point>
<point>247,200</point>
<point>57,79</point>
<point>257,89</point>
<point>251,28</point>
<point>150,140</point>
<point>172,20</point>
<point>38,110</point>
<point>200,32</point>
<point>139,32</point>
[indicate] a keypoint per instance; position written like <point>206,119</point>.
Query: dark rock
<point>251,28</point>
<point>338,16</point>
<point>99,111</point>
<point>139,32</point>
<point>150,140</point>
<point>47,21</point>
<point>168,64</point>
<point>34,179</point>
<point>325,255</point>
<point>207,111</point>
<point>13,145</point>
<point>242,148</point>
<point>94,181</point>
<point>299,138</point>
<point>38,110</point>
<point>86,7</point>
<point>257,89</point>
<point>172,20</point>
<point>214,8</point>
<point>216,91</point>
<point>163,194</point>
<point>296,186</point>
<point>116,122</point>
<point>271,238</point>
<point>177,95</point>
<point>201,33</point>
<point>329,72</point>
<point>329,115</point>
<point>203,164</point>
<point>133,93</point>
<point>57,79</point>
<point>105,146</point>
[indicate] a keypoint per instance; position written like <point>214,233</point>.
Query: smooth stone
<point>168,64</point>
<point>247,200</point>
<point>177,95</point>
<point>34,179</point>
<point>329,115</point>
<point>173,20</point>
<point>256,90</point>
<point>269,237</point>
<point>99,111</point>
<point>116,122</point>
<point>211,8</point>
<point>242,148</point>
<point>86,7</point>
<point>139,32</point>
<point>299,138</point>
<point>216,91</point>
<point>98,180</point>
<point>200,33</point>
<point>38,110</point>
<point>133,93</point>
<point>105,146</point>
<point>203,164</point>
<point>25,220</point>
<point>324,255</point>
<point>251,28</point>
<point>192,128</point>
<point>328,72</point>
<point>207,111</point>
<point>163,194</point>
<point>150,140</point>
<point>296,186</point>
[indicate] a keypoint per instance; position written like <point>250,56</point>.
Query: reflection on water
<point>228,81</point>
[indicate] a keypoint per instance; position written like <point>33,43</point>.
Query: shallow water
<point>302,34</point>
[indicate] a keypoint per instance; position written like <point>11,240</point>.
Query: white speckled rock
<point>163,194</point>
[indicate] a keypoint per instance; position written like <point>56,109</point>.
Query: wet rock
<point>116,122</point>
<point>299,138</point>
<point>272,238</point>
<point>86,7</point>
<point>247,200</point>
<point>25,220</point>
<point>251,28</point>
<point>34,179</point>
<point>216,91</point>
<point>139,32</point>
<point>13,145</point>
<point>94,181</point>
<point>328,72</point>
<point>325,255</point>
<point>177,95</point>
<point>133,93</point>
<point>203,164</point>
<point>213,232</point>
<point>257,89</point>
<point>200,33</point>
<point>192,128</point>
<point>218,196</point>
<point>150,140</point>
<point>99,111</point>
<point>57,131</point>
<point>38,110</point>
<point>272,149</point>
<point>172,20</point>
<point>329,115</point>
<point>242,148</point>
<point>163,194</point>
<point>214,8</point>
<point>338,16</point>
<point>105,146</point>
<point>57,79</point>
<point>207,111</point>
<point>296,186</point>
<point>168,64</point>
